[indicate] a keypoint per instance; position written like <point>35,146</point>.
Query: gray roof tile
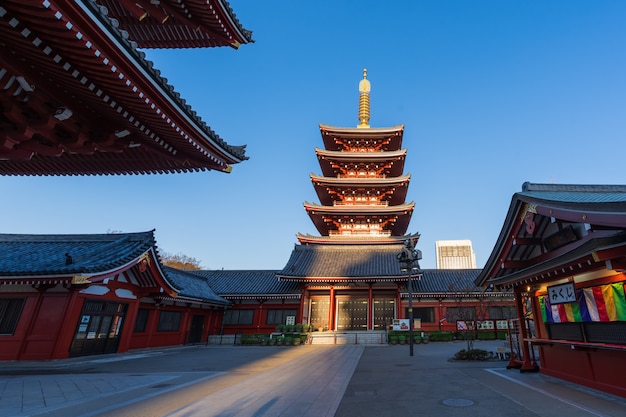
<point>342,261</point>
<point>192,285</point>
<point>249,282</point>
<point>48,254</point>
<point>568,193</point>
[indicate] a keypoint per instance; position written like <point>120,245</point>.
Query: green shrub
<point>472,355</point>
<point>486,335</point>
<point>440,336</point>
<point>249,339</point>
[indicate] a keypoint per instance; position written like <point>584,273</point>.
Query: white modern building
<point>455,254</point>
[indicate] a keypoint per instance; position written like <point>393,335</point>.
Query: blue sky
<point>491,93</point>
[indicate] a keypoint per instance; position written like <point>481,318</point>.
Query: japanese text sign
<point>562,293</point>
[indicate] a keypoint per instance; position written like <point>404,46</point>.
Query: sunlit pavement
<point>342,381</point>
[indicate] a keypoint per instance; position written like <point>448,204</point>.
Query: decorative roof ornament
<point>364,101</point>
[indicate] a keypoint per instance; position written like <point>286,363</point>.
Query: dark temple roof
<point>528,250</point>
<point>447,281</point>
<point>192,285</point>
<point>22,255</point>
<point>343,261</point>
<point>246,283</point>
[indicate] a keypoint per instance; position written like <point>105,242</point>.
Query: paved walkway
<point>309,381</point>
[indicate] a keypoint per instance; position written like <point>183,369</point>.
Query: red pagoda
<point>350,275</point>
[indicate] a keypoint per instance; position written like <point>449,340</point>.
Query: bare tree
<point>180,261</point>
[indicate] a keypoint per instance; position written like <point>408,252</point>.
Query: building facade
<point>74,295</point>
<point>455,254</point>
<point>562,250</point>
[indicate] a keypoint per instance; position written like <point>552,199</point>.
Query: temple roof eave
<point>361,156</point>
<point>591,205</point>
<point>109,62</point>
<point>354,239</point>
<point>313,208</point>
<point>360,182</point>
<point>360,132</point>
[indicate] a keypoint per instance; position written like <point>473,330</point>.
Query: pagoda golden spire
<point>364,101</point>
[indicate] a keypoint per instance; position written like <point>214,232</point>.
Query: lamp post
<point>408,258</point>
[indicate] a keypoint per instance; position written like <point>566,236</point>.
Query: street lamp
<point>408,258</point>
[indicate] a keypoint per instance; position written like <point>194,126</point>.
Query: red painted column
<point>128,326</point>
<point>301,309</point>
<point>331,309</point>
<point>370,308</point>
<point>527,364</point>
<point>260,317</point>
<point>63,341</point>
<point>31,323</point>
<point>400,311</point>
<point>151,327</point>
<point>186,326</point>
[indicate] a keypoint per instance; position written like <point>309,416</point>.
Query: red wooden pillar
<point>151,328</point>
<point>33,318</point>
<point>63,340</point>
<point>301,309</point>
<point>527,364</point>
<point>331,309</point>
<point>184,337</point>
<point>260,316</point>
<point>370,308</point>
<point>128,327</point>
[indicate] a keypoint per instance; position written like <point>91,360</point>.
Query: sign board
<point>401,324</point>
<point>502,324</point>
<point>562,293</point>
<point>485,325</point>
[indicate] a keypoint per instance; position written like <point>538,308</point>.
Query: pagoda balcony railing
<point>361,203</point>
<point>360,232</point>
<point>354,176</point>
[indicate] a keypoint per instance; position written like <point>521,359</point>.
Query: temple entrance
<point>99,329</point>
<point>352,313</point>
<point>195,332</point>
<point>384,313</point>
<point>319,312</point>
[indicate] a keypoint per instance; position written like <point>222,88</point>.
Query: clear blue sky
<point>492,94</point>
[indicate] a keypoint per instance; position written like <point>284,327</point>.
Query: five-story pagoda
<point>350,276</point>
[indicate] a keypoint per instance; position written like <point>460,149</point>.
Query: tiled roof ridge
<point>351,247</point>
<point>600,188</point>
<point>114,238</point>
<point>216,271</point>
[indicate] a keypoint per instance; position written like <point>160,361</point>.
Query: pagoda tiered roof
<point>391,189</point>
<point>328,218</point>
<point>334,163</point>
<point>83,100</point>
<point>337,263</point>
<point>178,23</point>
<point>381,138</point>
<point>307,239</point>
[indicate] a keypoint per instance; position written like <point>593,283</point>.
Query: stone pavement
<point>341,381</point>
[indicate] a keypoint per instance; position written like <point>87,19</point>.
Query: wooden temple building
<point>75,295</point>
<point>562,251</point>
<point>79,97</point>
